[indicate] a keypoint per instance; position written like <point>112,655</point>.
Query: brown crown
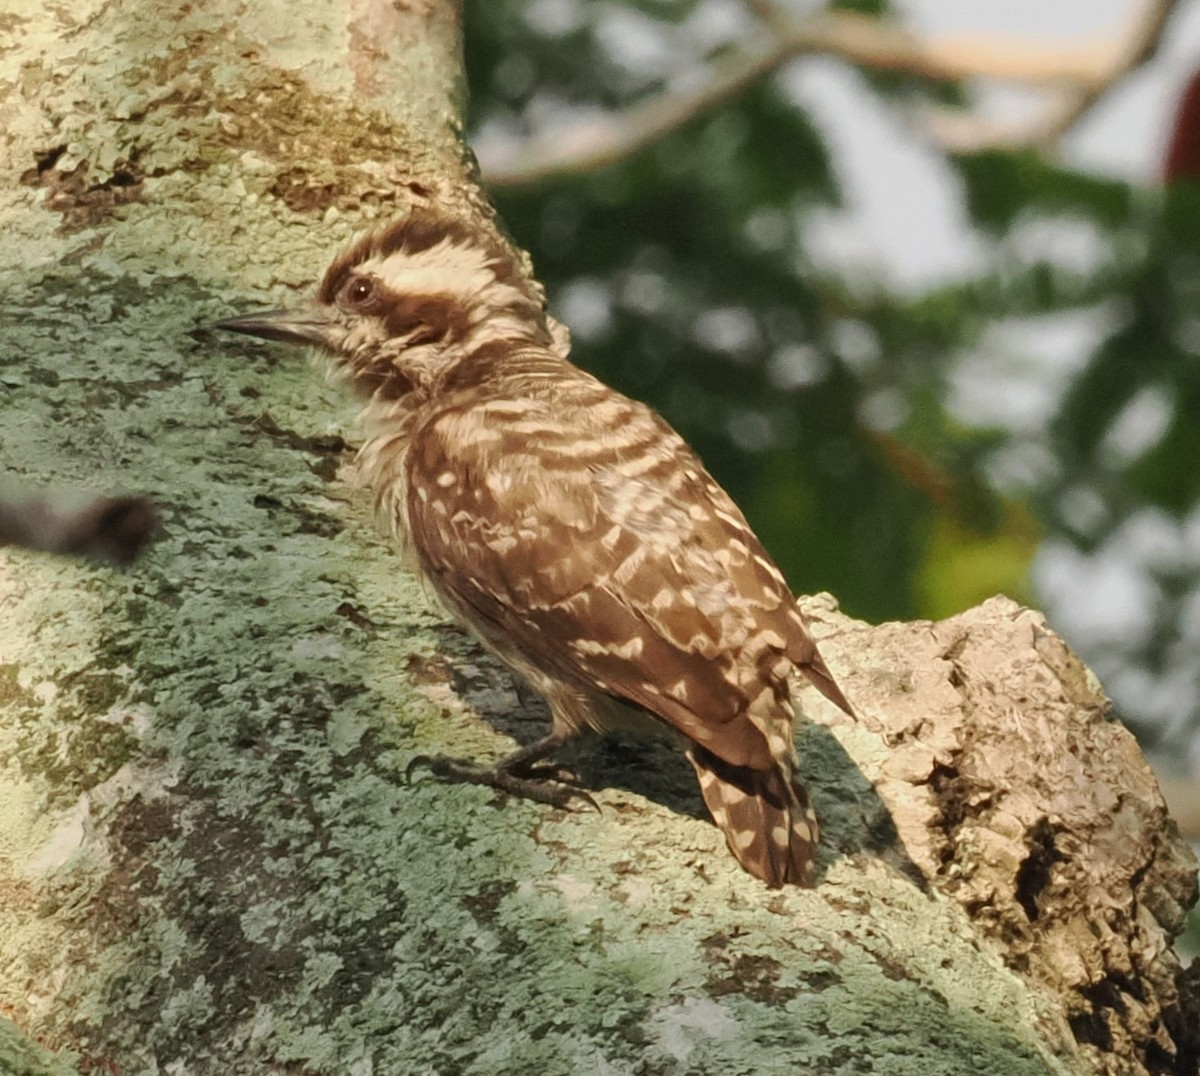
<point>422,230</point>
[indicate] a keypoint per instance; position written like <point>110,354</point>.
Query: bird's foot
<point>544,783</point>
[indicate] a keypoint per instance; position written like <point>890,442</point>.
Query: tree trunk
<point>210,861</point>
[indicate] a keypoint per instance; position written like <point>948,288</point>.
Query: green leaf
<point>962,567</point>
<point>1002,185</point>
<point>1158,476</point>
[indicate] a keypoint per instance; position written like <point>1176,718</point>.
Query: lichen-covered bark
<point>209,860</point>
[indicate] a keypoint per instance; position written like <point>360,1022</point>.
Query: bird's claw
<point>417,761</point>
<point>551,785</point>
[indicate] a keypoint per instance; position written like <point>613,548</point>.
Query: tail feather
<point>765,815</point>
<point>822,679</point>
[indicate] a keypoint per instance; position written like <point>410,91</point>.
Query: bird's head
<point>404,302</point>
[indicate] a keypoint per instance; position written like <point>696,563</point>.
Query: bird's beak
<point>307,326</point>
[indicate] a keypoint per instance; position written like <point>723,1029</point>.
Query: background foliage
<point>832,407</point>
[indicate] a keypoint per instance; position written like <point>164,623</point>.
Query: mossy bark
<point>209,859</point>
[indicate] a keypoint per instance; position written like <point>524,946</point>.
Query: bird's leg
<point>522,773</point>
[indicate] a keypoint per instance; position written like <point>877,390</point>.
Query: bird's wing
<point>612,562</point>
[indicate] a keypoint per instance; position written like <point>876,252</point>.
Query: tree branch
<point>1107,67</point>
<point>609,139</point>
<point>1081,73</point>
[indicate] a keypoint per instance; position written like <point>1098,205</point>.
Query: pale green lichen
<point>20,1057</point>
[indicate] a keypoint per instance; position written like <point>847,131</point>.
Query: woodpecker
<point>568,527</point>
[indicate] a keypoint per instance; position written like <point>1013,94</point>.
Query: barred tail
<point>765,816</point>
<point>822,679</point>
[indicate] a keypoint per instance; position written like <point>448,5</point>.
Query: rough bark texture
<point>991,749</point>
<point>209,862</point>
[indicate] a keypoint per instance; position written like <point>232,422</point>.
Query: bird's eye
<point>359,293</point>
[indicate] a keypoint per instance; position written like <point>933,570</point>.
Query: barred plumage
<point>569,527</point>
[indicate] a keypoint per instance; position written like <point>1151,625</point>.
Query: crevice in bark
<point>1034,873</point>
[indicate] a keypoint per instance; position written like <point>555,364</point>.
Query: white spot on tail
<point>733,795</point>
<point>780,748</point>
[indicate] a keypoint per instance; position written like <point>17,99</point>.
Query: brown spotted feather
<point>588,540</point>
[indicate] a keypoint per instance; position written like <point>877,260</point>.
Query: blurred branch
<point>1106,66</point>
<point>113,528</point>
<point>607,139</point>
<point>1080,74</point>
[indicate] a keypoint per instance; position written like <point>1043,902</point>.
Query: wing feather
<point>624,570</point>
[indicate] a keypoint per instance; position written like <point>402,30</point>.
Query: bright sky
<point>904,219</point>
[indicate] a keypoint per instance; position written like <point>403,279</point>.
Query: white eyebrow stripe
<point>446,269</point>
